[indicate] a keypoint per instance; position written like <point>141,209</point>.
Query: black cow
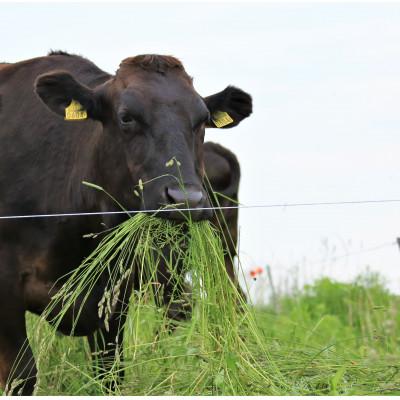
<point>62,121</point>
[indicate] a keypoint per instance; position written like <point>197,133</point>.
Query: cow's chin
<point>182,216</point>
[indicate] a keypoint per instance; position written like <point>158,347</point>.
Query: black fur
<point>59,53</point>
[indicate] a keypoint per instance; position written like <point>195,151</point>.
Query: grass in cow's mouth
<point>221,350</point>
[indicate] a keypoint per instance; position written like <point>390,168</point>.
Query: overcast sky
<point>325,80</point>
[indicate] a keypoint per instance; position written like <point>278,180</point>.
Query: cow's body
<point>43,161</point>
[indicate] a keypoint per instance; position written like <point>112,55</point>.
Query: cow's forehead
<point>153,79</point>
<point>164,89</point>
<point>162,101</point>
<point>170,83</point>
<point>152,67</point>
<point>148,89</point>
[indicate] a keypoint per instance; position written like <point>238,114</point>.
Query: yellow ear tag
<point>221,118</point>
<point>75,111</point>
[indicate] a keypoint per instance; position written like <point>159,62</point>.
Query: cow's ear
<point>65,96</point>
<point>228,108</point>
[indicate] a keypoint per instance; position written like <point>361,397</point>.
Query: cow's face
<point>152,110</point>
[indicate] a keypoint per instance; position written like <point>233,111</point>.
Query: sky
<point>325,82</point>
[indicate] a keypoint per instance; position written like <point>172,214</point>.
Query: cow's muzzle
<point>183,202</point>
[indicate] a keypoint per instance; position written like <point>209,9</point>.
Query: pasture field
<point>329,338</point>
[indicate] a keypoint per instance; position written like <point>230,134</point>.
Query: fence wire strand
<point>333,258</point>
<point>156,211</point>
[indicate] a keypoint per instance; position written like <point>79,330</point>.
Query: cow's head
<point>152,110</point>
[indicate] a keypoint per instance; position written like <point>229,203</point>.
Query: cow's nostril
<point>190,198</point>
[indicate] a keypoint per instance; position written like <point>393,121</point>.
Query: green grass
<point>334,338</point>
<point>329,338</point>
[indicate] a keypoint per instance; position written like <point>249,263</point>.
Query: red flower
<point>253,273</point>
<point>256,271</point>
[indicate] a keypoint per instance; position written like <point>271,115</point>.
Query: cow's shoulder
<point>216,151</point>
<point>222,167</point>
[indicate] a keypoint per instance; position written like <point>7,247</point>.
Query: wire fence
<point>257,206</point>
<point>334,258</point>
<point>156,211</point>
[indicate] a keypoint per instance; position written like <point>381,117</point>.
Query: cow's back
<point>39,151</point>
<point>43,160</point>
